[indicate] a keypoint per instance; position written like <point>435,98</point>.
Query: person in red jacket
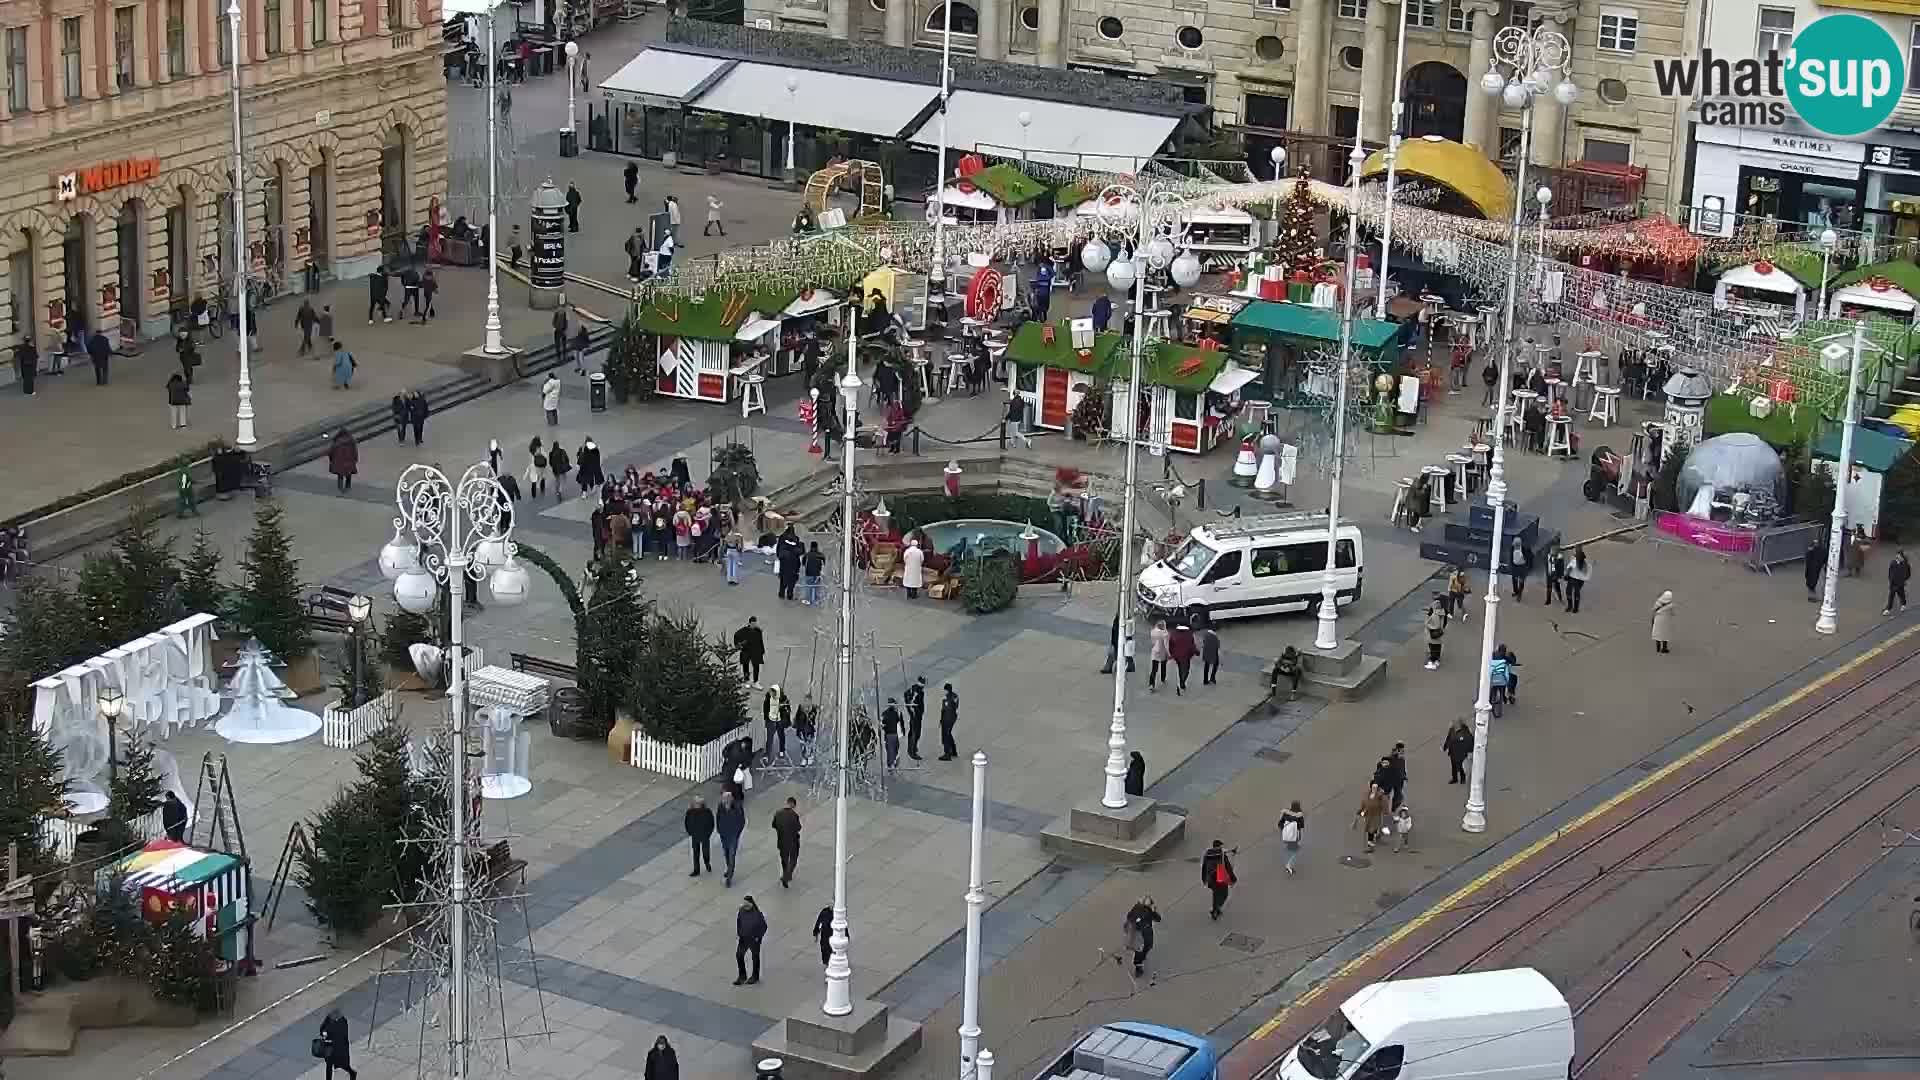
<point>1182,649</point>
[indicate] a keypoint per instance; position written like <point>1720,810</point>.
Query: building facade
<point>116,145</point>
<point>1274,66</point>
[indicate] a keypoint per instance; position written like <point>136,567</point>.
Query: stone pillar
<point>6,311</point>
<point>1309,106</point>
<point>1388,86</point>
<point>154,303</point>
<point>1482,107</point>
<point>993,29</point>
<point>840,18</point>
<point>1549,117</point>
<point>1377,54</point>
<point>899,19</point>
<point>1052,30</point>
<point>51,266</point>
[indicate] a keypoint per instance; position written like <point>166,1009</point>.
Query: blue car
<point>1136,1051</point>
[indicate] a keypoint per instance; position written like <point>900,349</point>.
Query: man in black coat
<point>631,177</point>
<point>787,552</point>
<point>26,364</point>
<point>751,928</point>
<point>573,207</point>
<point>752,647</point>
<point>1216,873</point>
<point>337,1043</point>
<point>916,713</point>
<point>700,834</point>
<point>1459,747</point>
<point>173,818</point>
<point>100,351</point>
<point>949,716</point>
<point>1390,775</point>
<point>377,295</point>
<point>417,414</point>
<point>731,821</point>
<point>786,838</point>
<point>890,730</point>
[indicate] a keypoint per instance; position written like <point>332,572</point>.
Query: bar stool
<point>956,372</point>
<point>1586,369</point>
<point>1481,429</point>
<point>1603,405</point>
<point>1436,489</point>
<point>1560,436</point>
<point>921,372</point>
<point>1556,390</point>
<point>1159,321</point>
<point>753,398</point>
<point>1401,488</point>
<point>1460,475</point>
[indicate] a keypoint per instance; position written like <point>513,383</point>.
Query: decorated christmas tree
<point>1297,246</point>
<point>257,713</point>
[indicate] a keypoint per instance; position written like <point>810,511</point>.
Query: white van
<point>1254,566</point>
<point>1486,1025</point>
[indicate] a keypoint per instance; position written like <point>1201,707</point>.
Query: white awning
<point>756,328</point>
<point>821,300</point>
<point>1864,295</point>
<point>1231,378</point>
<point>821,99</point>
<point>976,199</point>
<point>1072,135</point>
<point>1224,216</point>
<point>1774,280</point>
<point>661,78</point>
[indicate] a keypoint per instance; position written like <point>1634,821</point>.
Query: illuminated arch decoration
<point>1460,169</point>
<point>824,182</point>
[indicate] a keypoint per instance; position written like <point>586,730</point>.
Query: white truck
<point>1484,1025</point>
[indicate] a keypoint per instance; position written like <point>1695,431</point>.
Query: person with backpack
<point>558,462</point>
<point>1556,574</point>
<point>1497,670</point>
<point>1216,873</point>
<point>1293,826</point>
<point>1138,928</point>
<point>1457,593</point>
<point>1519,567</point>
<point>1436,629</point>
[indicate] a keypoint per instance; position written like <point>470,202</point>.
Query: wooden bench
<point>329,598</point>
<point>499,867</point>
<point>535,665</point>
<point>329,623</point>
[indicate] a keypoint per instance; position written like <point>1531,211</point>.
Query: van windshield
<point>1191,560</point>
<point>1327,1052</point>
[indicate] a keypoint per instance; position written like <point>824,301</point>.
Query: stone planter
<point>344,729</point>
<point>695,763</point>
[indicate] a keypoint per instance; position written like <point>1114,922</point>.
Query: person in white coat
<point>1663,622</point>
<point>550,398</point>
<point>713,218</point>
<point>912,569</point>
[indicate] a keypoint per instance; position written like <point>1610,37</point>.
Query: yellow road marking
<point>1468,890</point>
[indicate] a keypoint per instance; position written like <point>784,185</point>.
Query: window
<point>1191,559</point>
<point>1608,151</point>
<point>396,15</point>
<point>1352,9</point>
<point>222,33</point>
<point>1776,31</point>
<point>1509,145</point>
<point>1027,379</point>
<point>1269,48</point>
<point>1353,58</point>
<point>270,18</point>
<point>1383,1065</point>
<point>1186,406</point>
<point>1613,91</point>
<point>1459,19</point>
<point>1274,5</point>
<point>176,38</point>
<point>17,69</point>
<point>1112,29</point>
<point>1913,53</point>
<point>316,22</point>
<point>123,47</point>
<point>965,20</point>
<point>1520,14</point>
<point>1422,12</point>
<point>1266,110</point>
<point>1189,37</point>
<point>1225,567</point>
<point>1346,121</point>
<point>1619,29</point>
<point>1030,18</point>
<point>70,57</point>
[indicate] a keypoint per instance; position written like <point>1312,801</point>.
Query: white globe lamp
<point>1121,274</point>
<point>490,555</point>
<point>1185,270</point>
<point>509,584</point>
<point>1493,82</point>
<point>1566,93</point>
<point>1159,252</point>
<point>1543,196</point>
<point>415,590</point>
<point>1829,239</point>
<point>1515,95</point>
<point>1095,256</point>
<point>399,555</point>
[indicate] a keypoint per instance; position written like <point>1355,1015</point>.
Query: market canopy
<point>821,99</point>
<point>1030,348</point>
<point>1076,136</point>
<point>1303,322</point>
<point>1890,286</point>
<point>1873,450</point>
<point>663,79</point>
<point>1183,367</point>
<point>1007,184</point>
<point>715,315</point>
<point>1763,276</point>
<point>1462,169</point>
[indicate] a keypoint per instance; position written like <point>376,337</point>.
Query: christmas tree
<point>268,604</point>
<point>200,587</point>
<point>256,714</point>
<point>1297,247</point>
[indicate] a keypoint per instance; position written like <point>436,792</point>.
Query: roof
<point>1883,295</point>
<point>1182,367</point>
<point>1077,136</point>
<point>715,318</point>
<point>822,99</point>
<point>1461,168</point>
<point>1008,184</point>
<point>1900,273</point>
<point>1312,324</point>
<point>662,78</point>
<point>1775,280</point>
<point>1030,348</point>
<point>168,864</point>
<point>1481,1003</point>
<point>1075,193</point>
<point>1873,450</point>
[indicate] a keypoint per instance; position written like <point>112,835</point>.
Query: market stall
<point>1051,375</point>
<point>812,314</point>
<point>1762,290</point>
<point>905,293</point>
<point>706,345</point>
<point>1209,316</point>
<point>1190,396</point>
<point>210,887</point>
<point>1222,237</point>
<point>1884,289</point>
<point>1273,338</point>
<point>1875,453</point>
<point>982,194</point>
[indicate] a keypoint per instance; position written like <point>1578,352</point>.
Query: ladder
<point>297,845</point>
<point>218,830</point>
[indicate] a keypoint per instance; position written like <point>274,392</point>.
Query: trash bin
<point>569,143</point>
<point>597,391</point>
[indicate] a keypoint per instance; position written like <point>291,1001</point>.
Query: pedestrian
<point>751,926</point>
<point>1157,654</point>
<point>1181,648</point>
<point>173,817</point>
<point>558,462</point>
<point>823,933</point>
<point>585,56</point>
<point>699,823</point>
<point>673,216</point>
<point>1293,826</point>
<point>1216,873</point>
<point>516,250</point>
<point>100,351</point>
<point>787,552</point>
<point>662,1062</point>
<point>751,646</point>
<point>949,717</point>
<point>417,414</point>
<point>806,727</point>
<point>1390,773</point>
<point>343,459</point>
<point>912,569</point>
<point>578,347</point>
<point>1519,567</point>
<point>1663,622</point>
<point>410,291</point>
<point>663,258</point>
<point>730,821</point>
<point>185,351</point>
<point>573,207</point>
<point>630,176</point>
<point>1136,778</point>
<point>1113,648</point>
<point>713,217</point>
<point>1371,815</point>
<point>587,466</point>
<point>399,407</point>
<point>1287,667</point>
<point>377,294</point>
<point>636,249</point>
<point>890,724</point>
<point>786,838</point>
<point>1402,827</point>
<point>1139,933</point>
<point>1209,654</point>
<point>916,696</point>
<point>1457,590</point>
<point>1898,571</point>
<point>1417,502</point>
<point>324,328</point>
<point>776,713</point>
<point>1436,629</point>
<point>343,365</point>
<point>560,332</point>
<point>26,363</point>
<point>1458,747</point>
<point>535,474</point>
<point>1556,574</point>
<point>1579,572</point>
<point>1102,313</point>
<point>335,1044</point>
<point>305,320</point>
<point>179,396</point>
<point>731,547</point>
<point>429,288</point>
<point>811,566</point>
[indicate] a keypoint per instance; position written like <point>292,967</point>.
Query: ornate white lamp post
<point>573,58</point>
<point>1829,619</point>
<point>937,274</point>
<point>1828,241</point>
<point>793,110</point>
<point>492,345</point>
<point>1531,59</point>
<point>839,968</point>
<point>1327,633</point>
<point>461,534</point>
<point>243,414</point>
<point>976,900</point>
<point>1393,168</point>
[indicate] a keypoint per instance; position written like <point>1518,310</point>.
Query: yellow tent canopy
<point>1461,168</point>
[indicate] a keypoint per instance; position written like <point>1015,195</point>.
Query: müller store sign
<point>104,177</point>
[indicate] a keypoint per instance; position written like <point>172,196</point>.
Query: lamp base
<point>1136,833</point>
<point>1343,673</point>
<point>866,1042</point>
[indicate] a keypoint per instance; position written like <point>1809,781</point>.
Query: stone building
<point>1256,63</point>
<point>116,150</point>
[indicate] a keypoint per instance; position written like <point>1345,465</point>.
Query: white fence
<point>59,834</point>
<point>694,763</point>
<point>344,729</point>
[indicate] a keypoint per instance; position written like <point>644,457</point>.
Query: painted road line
<point>1467,891</point>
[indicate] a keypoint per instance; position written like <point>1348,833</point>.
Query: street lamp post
<point>1393,168</point>
<point>793,110</point>
<point>1328,636</point>
<point>937,274</point>
<point>112,701</point>
<point>1277,155</point>
<point>839,968</point>
<point>459,532</point>
<point>1828,241</point>
<point>976,900</point>
<point>1829,619</point>
<point>1533,57</point>
<point>567,137</point>
<point>492,345</point>
<point>359,609</point>
<point>243,414</point>
<point>1026,122</point>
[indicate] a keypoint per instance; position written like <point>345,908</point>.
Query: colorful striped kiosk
<point>210,886</point>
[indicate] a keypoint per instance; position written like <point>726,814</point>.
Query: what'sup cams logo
<point>1843,76</point>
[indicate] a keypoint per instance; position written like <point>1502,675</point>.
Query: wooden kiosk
<point>700,340</point>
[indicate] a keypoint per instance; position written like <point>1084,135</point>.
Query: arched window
<point>965,20</point>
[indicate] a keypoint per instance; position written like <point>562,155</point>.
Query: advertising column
<point>547,266</point>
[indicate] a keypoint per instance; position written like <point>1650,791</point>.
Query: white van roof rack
<point>1268,523</point>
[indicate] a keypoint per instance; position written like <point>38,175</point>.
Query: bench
<point>328,623</point>
<point>535,665</point>
<point>498,867</point>
<point>329,598</point>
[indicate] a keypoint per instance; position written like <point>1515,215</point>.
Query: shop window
<point>17,99</point>
<point>1459,19</point>
<point>1352,9</point>
<point>1422,13</point>
<point>70,57</point>
<point>271,19</point>
<point>1619,29</point>
<point>123,47</point>
<point>1913,54</point>
<point>1776,31</point>
<point>222,31</point>
<point>176,38</point>
<point>316,22</point>
<point>966,21</point>
<point>1520,14</point>
<point>1267,110</point>
<point>1607,151</point>
<point>20,284</point>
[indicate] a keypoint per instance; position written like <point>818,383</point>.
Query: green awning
<point>1307,323</point>
<point>1030,348</point>
<point>1072,195</point>
<point>1008,185</point>
<point>1875,451</point>
<point>1904,275</point>
<point>1182,367</point>
<point>718,313</point>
